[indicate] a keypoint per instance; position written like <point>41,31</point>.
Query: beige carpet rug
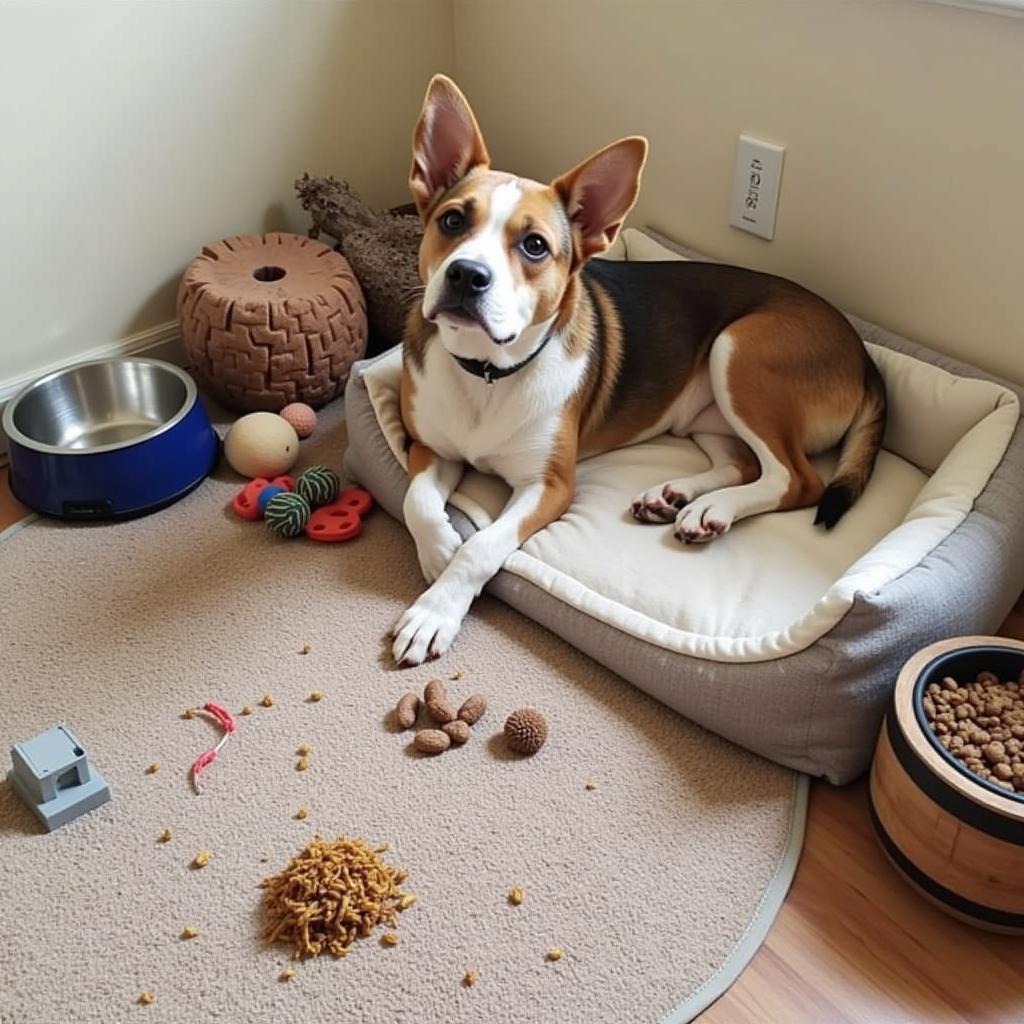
<point>657,883</point>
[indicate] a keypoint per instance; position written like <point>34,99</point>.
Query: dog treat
<point>267,701</point>
<point>469,979</point>
<point>301,813</point>
<point>554,953</point>
<point>152,768</point>
<point>201,859</point>
<point>190,931</point>
<point>458,731</point>
<point>315,696</point>
<point>406,709</point>
<point>247,710</point>
<point>435,690</point>
<point>146,998</point>
<point>165,836</point>
<point>287,974</point>
<point>526,730</point>
<point>389,938</point>
<point>981,723</point>
<point>473,709</point>
<point>516,896</point>
<point>329,895</point>
<point>302,765</point>
<point>440,711</point>
<point>432,741</point>
<point>303,749</point>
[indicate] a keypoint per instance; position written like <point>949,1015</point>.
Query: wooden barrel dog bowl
<point>956,837</point>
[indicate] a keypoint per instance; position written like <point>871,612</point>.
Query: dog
<point>524,355</point>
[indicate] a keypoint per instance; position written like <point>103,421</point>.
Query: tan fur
<point>793,381</point>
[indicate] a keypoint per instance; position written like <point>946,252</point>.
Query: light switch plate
<point>755,190</point>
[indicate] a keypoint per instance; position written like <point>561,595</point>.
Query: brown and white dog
<point>523,357</point>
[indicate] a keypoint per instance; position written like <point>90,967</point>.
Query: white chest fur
<point>507,427</point>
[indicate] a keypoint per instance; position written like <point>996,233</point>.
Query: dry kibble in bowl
<point>980,723</point>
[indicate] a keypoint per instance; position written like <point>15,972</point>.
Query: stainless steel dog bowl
<point>113,437</point>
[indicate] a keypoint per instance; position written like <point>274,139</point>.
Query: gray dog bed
<point>778,635</point>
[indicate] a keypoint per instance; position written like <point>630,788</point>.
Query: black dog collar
<point>490,372</point>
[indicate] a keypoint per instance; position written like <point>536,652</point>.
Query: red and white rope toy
<point>205,759</point>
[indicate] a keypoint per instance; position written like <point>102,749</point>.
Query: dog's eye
<point>452,222</point>
<point>535,247</point>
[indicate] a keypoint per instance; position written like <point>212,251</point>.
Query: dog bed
<point>779,635</point>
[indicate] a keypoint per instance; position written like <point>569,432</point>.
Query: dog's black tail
<point>858,451</point>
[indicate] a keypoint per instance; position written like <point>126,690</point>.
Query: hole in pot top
<point>269,273</point>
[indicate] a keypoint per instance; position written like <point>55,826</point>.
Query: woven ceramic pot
<point>271,319</point>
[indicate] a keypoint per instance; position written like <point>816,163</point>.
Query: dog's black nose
<point>467,278</point>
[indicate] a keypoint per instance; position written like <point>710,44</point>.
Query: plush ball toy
<point>318,485</point>
<point>287,514</point>
<point>301,417</point>
<point>261,444</point>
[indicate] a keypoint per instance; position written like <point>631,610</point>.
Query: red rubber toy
<point>244,502</point>
<point>332,524</point>
<point>287,482</point>
<point>353,499</point>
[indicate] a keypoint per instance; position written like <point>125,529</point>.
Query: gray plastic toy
<point>52,775</point>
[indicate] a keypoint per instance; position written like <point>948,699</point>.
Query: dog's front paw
<point>426,630</point>
<point>702,520</point>
<point>436,551</point>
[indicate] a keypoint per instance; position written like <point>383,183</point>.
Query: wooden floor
<point>853,943</point>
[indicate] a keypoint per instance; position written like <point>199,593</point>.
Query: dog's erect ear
<point>599,192</point>
<point>446,143</point>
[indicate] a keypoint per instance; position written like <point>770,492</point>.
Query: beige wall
<point>903,188</point>
<point>132,133</point>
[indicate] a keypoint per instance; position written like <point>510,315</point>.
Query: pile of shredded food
<point>331,894</point>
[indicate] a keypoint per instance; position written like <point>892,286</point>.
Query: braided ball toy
<point>287,514</point>
<point>318,485</point>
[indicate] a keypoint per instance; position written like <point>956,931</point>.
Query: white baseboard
<point>160,342</point>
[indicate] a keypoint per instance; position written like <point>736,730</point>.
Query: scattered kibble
<point>302,765</point>
<point>190,931</point>
<point>554,953</point>
<point>389,938</point>
<point>382,848</point>
<point>302,812</point>
<point>247,710</point>
<point>267,701</point>
<point>516,896</point>
<point>165,836</point>
<point>315,696</point>
<point>201,859</point>
<point>305,649</point>
<point>152,768</point>
<point>406,901</point>
<point>590,785</point>
<point>146,998</point>
<point>456,675</point>
<point>287,974</point>
<point>188,713</point>
<point>469,979</point>
<point>303,750</point>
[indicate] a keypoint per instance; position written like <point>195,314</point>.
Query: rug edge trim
<point>17,527</point>
<point>760,924</point>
